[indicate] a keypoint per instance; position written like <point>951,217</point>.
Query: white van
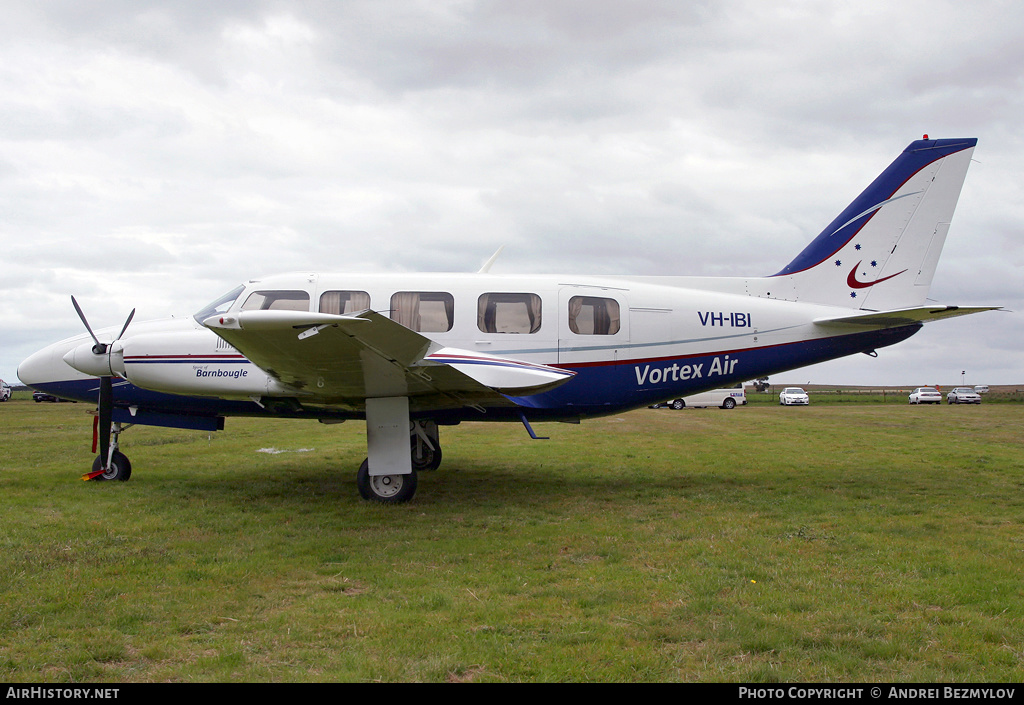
<point>981,389</point>
<point>723,398</point>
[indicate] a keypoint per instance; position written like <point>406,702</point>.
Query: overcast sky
<point>154,155</point>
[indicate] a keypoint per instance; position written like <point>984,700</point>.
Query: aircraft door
<point>593,325</point>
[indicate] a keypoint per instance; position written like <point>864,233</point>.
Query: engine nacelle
<point>192,369</point>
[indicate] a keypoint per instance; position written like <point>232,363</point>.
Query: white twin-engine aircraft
<point>412,352</point>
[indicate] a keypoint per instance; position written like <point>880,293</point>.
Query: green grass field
<point>838,542</point>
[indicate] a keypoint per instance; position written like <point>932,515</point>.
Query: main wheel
<point>423,458</point>
<point>120,468</point>
<point>388,489</point>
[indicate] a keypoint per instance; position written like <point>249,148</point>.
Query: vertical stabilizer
<point>881,252</point>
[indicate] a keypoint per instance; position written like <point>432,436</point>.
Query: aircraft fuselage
<point>630,343</point>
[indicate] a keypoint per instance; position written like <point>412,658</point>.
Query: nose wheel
<point>120,468</point>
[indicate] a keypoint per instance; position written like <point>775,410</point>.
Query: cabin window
<point>508,313</point>
<point>339,302</point>
<point>277,301</point>
<point>424,311</point>
<point>593,315</point>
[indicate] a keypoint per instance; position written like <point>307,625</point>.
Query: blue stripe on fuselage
<point>605,388</point>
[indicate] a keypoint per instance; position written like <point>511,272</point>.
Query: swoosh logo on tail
<point>851,280</point>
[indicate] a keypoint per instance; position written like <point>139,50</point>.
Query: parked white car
<point>722,398</point>
<point>925,395</point>
<point>963,395</point>
<point>5,391</point>
<point>981,389</point>
<point>793,395</point>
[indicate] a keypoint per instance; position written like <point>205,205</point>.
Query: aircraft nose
<point>41,367</point>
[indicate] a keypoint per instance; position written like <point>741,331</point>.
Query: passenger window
<point>339,302</point>
<point>423,311</point>
<point>277,301</point>
<point>508,313</point>
<point>593,315</point>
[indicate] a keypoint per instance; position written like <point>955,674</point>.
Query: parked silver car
<point>926,395</point>
<point>963,395</point>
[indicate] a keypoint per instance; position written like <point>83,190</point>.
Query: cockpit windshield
<point>220,305</point>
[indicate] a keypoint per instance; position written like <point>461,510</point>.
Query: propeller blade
<point>130,317</point>
<point>106,415</point>
<point>86,323</point>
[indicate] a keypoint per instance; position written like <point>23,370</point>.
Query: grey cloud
<point>206,143</point>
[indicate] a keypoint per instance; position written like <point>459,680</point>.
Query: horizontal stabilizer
<point>903,316</point>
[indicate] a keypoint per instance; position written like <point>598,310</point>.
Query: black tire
<point>729,403</point>
<point>678,404</point>
<point>386,489</point>
<point>429,460</point>
<point>120,468</point>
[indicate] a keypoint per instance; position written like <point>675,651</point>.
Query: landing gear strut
<point>426,446</point>
<point>115,465</point>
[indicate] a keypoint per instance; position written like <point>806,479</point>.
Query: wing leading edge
<point>347,359</point>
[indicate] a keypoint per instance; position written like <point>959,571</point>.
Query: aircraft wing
<point>903,316</point>
<point>346,359</point>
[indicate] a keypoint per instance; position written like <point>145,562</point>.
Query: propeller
<point>97,367</point>
<point>100,348</point>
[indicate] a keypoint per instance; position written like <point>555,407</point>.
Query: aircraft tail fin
<point>880,253</point>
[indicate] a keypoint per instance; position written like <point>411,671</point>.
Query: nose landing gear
<point>115,464</point>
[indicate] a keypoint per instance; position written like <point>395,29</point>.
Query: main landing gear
<point>424,455</point>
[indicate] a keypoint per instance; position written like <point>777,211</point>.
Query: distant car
<point>925,395</point>
<point>5,391</point>
<point>43,396</point>
<point>981,389</point>
<point>963,395</point>
<point>793,395</point>
<point>722,398</point>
